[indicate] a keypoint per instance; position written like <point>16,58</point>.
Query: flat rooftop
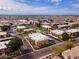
<point>38,36</point>
<point>20,27</point>
<point>3,33</point>
<point>73,52</point>
<point>57,32</point>
<point>3,44</point>
<point>72,30</point>
<point>46,26</point>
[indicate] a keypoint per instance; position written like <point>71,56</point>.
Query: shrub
<point>15,43</point>
<point>65,36</point>
<point>58,49</point>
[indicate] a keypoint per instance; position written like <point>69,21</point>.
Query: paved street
<point>37,54</point>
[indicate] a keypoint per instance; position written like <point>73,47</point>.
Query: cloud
<point>56,1</point>
<point>76,5</point>
<point>11,7</point>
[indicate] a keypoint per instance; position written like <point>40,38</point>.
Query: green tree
<point>5,28</point>
<point>15,43</point>
<point>38,25</point>
<point>65,36</point>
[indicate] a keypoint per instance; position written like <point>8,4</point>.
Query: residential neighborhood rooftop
<point>3,33</point>
<point>38,36</point>
<point>3,44</point>
<point>72,53</point>
<point>46,26</point>
<point>58,32</point>
<point>72,30</point>
<point>21,27</point>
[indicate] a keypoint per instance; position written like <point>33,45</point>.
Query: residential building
<point>3,44</point>
<point>3,34</point>
<point>3,47</point>
<point>38,39</point>
<point>73,32</point>
<point>72,53</point>
<point>20,28</point>
<point>46,26</point>
<point>28,30</point>
<point>63,26</point>
<point>57,33</point>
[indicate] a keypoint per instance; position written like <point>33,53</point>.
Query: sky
<point>39,7</point>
